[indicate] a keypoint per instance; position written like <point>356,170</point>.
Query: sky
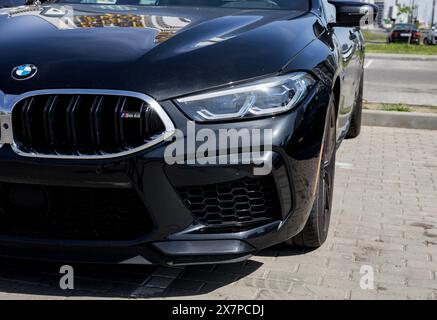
<point>424,7</point>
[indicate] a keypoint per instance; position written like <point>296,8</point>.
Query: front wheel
<point>315,231</point>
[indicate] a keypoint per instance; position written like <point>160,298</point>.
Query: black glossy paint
<point>163,64</point>
<point>209,48</point>
<point>11,3</point>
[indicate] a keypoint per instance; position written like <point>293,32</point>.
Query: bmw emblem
<point>24,72</point>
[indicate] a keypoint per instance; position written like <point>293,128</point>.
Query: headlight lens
<point>265,97</point>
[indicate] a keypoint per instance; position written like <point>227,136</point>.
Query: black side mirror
<point>354,13</point>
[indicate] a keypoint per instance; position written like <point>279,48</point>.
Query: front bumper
<point>177,237</point>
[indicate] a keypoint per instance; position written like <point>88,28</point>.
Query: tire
<point>316,229</point>
<point>355,126</point>
<point>425,41</point>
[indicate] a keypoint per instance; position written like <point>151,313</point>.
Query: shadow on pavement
<point>283,250</point>
<point>22,279</point>
<point>41,280</point>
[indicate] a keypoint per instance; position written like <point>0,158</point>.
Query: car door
<point>348,47</point>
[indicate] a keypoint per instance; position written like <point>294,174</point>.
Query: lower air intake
<point>236,205</point>
<point>72,213</point>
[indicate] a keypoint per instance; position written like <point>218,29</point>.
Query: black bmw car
<point>94,95</point>
<point>405,33</point>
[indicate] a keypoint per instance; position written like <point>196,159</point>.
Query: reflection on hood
<point>126,48</point>
<point>66,17</point>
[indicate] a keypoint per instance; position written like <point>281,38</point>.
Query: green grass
<point>400,107</point>
<point>369,36</point>
<point>396,107</point>
<point>401,49</point>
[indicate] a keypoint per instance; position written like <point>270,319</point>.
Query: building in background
<point>381,11</point>
<point>392,13</point>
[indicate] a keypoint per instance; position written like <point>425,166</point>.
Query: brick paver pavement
<point>385,216</point>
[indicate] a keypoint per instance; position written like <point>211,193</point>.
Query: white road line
<point>368,63</point>
<point>344,165</point>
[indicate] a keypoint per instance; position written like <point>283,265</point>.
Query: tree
<point>407,10</point>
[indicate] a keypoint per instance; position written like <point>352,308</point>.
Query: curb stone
<point>409,120</point>
<point>408,57</point>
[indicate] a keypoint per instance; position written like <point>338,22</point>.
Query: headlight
<point>265,97</point>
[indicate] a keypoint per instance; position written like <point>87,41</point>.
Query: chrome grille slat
<point>71,120</point>
<point>95,120</point>
<point>121,102</point>
<point>26,115</point>
<point>143,122</point>
<point>49,119</point>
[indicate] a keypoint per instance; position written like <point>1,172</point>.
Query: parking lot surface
<point>384,217</point>
<point>399,80</point>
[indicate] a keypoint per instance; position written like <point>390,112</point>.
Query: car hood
<point>164,52</point>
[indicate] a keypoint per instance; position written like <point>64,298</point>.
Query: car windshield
<point>404,26</point>
<point>298,5</point>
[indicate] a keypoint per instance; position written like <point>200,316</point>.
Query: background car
<point>431,36</point>
<point>404,33</point>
